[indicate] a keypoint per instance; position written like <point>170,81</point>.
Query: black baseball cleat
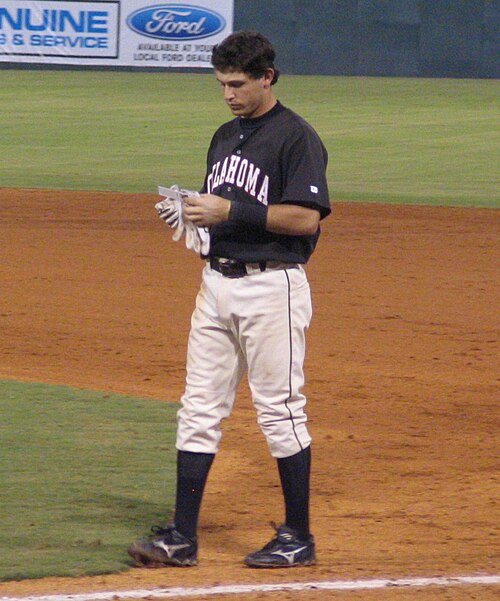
<point>286,550</point>
<point>165,547</point>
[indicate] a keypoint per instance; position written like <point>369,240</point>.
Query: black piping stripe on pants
<point>291,359</point>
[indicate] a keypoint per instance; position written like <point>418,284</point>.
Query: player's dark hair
<point>247,51</point>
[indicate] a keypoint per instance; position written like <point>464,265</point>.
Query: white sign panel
<point>112,32</point>
<point>175,34</point>
<point>49,30</point>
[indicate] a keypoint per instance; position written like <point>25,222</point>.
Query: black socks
<point>192,474</point>
<point>295,475</point>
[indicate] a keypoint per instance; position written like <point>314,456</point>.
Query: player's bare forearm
<point>292,220</point>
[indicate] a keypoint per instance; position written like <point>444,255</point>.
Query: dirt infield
<point>402,380</point>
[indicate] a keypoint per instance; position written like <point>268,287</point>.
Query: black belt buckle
<point>229,268</point>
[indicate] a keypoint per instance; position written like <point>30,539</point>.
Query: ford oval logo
<point>176,22</point>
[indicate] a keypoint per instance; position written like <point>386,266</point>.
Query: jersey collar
<point>254,122</point>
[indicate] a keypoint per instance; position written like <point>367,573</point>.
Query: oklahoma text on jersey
<point>241,173</point>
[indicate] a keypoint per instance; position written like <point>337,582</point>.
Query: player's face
<point>245,96</point>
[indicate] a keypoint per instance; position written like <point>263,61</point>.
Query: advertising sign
<point>112,32</point>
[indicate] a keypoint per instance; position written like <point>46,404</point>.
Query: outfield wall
<point>412,38</point>
<point>425,38</point>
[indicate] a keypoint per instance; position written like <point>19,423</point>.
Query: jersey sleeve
<point>304,169</point>
<point>204,188</point>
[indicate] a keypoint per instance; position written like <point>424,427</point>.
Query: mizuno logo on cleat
<point>289,555</point>
<point>170,550</point>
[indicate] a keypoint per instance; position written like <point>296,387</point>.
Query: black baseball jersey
<point>273,159</point>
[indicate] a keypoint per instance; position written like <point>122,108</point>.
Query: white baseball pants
<point>256,323</point>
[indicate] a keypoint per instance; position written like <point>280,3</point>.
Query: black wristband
<point>249,214</point>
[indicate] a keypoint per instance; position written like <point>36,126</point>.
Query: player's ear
<point>268,78</point>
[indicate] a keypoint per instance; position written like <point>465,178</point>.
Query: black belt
<point>231,268</point>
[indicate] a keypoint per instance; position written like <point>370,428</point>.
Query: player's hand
<point>206,209</point>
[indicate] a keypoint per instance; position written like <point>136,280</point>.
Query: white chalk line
<point>238,589</point>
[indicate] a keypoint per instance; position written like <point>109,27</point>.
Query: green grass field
<point>429,141</point>
<point>82,474</point>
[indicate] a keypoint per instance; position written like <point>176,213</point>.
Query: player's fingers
<point>191,211</point>
<point>195,219</point>
<point>191,201</point>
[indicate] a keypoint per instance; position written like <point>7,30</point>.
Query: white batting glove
<point>204,240</point>
<point>170,210</point>
<point>197,238</point>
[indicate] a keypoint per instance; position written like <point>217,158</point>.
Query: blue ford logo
<point>176,22</point>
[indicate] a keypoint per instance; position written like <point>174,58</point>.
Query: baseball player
<point>264,194</point>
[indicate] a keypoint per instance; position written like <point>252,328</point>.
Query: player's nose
<point>228,93</point>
